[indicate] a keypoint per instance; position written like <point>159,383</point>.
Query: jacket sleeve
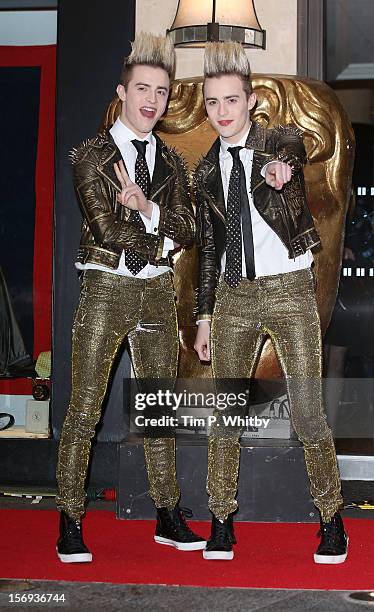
<point>177,220</point>
<point>207,258</point>
<point>107,227</point>
<point>289,146</point>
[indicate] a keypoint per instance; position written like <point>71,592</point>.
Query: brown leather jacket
<point>285,211</point>
<point>107,226</point>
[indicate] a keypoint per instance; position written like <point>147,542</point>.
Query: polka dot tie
<point>238,210</point>
<point>134,262</point>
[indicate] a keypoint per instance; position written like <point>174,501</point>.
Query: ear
<point>252,100</point>
<point>121,92</point>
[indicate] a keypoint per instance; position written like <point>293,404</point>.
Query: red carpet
<point>277,555</point>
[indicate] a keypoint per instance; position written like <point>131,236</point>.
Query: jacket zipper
<point>167,180</point>
<point>262,216</point>
<point>102,173</point>
<point>216,210</point>
<point>258,185</point>
<point>212,204</point>
<point>288,231</point>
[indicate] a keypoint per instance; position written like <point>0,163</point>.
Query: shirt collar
<point>122,134</point>
<point>224,153</point>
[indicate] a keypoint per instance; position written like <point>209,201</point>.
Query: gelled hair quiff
<point>229,57</point>
<point>149,50</point>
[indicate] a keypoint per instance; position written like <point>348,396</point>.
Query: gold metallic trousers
<point>111,308</point>
<point>282,307</point>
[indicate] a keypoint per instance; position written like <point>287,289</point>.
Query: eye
<point>232,100</point>
<point>162,93</point>
<point>212,102</point>
<point>141,88</point>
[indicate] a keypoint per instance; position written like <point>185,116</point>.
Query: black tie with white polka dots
<point>238,213</point>
<point>134,262</point>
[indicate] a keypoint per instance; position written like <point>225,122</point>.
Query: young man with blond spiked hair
<point>134,196</point>
<point>256,235</point>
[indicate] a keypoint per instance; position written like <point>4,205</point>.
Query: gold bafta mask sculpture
<point>329,141</point>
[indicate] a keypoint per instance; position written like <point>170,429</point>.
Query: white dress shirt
<point>123,136</point>
<point>270,254</point>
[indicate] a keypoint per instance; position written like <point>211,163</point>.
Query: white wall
<point>277,17</point>
<point>28,28</point>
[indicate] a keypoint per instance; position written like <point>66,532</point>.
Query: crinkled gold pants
<point>282,307</point>
<point>111,308</point>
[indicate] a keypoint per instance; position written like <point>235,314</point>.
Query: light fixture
<point>199,21</point>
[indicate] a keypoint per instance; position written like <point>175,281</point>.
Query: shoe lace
<point>75,533</point>
<point>330,532</point>
<point>181,514</point>
<point>221,531</point>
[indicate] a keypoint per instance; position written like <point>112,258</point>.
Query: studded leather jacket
<point>108,227</point>
<point>285,211</point>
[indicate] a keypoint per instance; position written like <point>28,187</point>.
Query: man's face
<point>145,99</point>
<point>227,106</point>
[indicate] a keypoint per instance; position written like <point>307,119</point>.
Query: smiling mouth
<point>148,111</point>
<point>225,122</point>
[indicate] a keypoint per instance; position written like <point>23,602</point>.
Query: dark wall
<point>93,38</point>
<point>17,189</point>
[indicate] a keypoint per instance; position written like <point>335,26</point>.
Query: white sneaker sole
<point>76,558</point>
<point>218,555</point>
<point>180,545</point>
<point>331,560</point>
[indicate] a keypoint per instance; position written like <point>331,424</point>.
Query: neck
<point>129,126</point>
<point>233,140</point>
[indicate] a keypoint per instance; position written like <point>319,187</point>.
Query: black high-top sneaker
<point>173,530</point>
<point>221,539</point>
<point>230,525</point>
<point>334,542</point>
<point>70,546</point>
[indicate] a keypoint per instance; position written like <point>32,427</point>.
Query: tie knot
<point>235,152</point>
<point>140,146</point>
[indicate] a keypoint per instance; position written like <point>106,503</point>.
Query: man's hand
<point>277,174</point>
<point>202,341</point>
<point>131,195</point>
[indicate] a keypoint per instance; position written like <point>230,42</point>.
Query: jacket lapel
<point>162,172</point>
<point>106,170</point>
<point>213,181</point>
<point>212,176</point>
<point>113,155</point>
<point>256,138</point>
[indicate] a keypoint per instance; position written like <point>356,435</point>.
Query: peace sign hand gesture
<point>131,195</point>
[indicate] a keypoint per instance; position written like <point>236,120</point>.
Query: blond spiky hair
<point>226,58</point>
<point>153,51</point>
